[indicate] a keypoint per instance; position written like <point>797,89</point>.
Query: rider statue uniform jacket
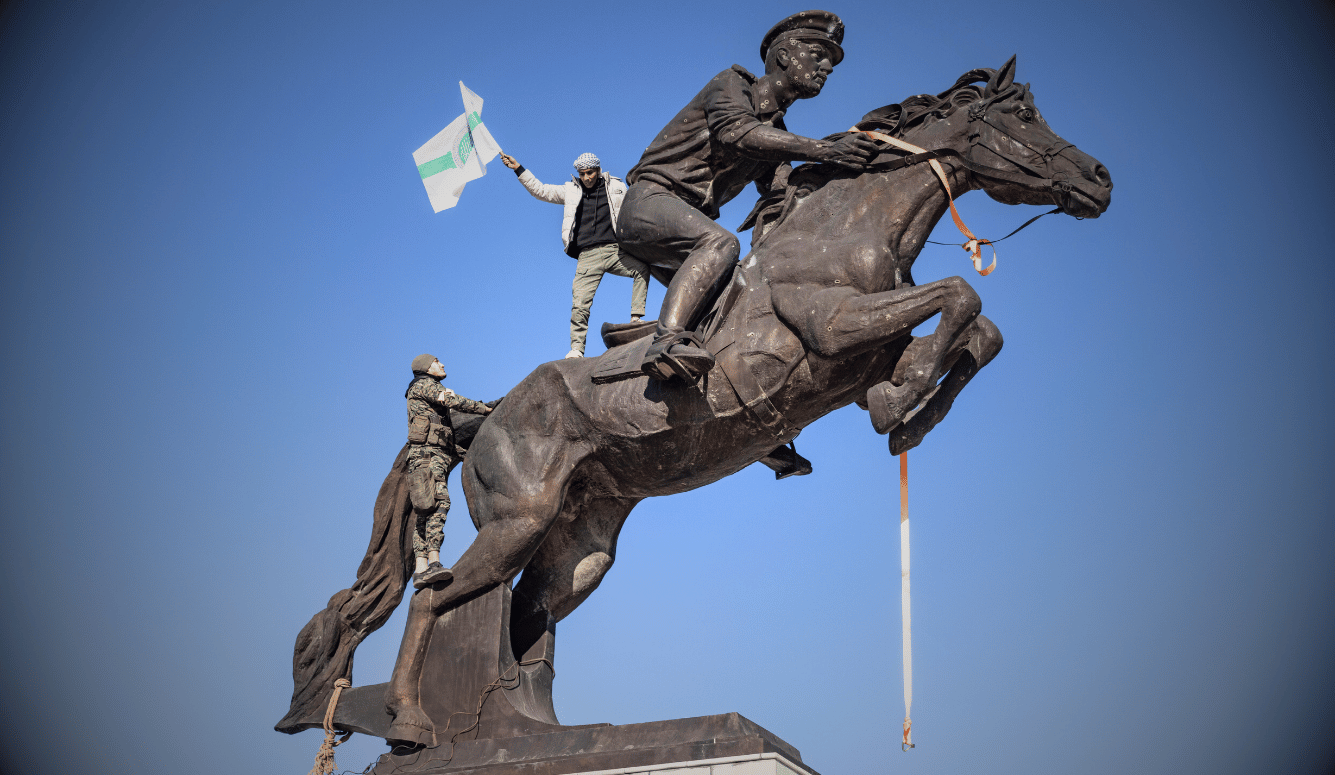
<point>695,156</point>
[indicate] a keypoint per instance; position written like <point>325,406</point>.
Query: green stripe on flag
<point>434,166</point>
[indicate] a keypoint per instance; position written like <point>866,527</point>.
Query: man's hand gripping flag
<point>456,155</point>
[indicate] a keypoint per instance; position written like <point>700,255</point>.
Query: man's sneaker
<point>435,573</point>
<point>574,354</point>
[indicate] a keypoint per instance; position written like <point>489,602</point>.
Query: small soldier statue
<point>431,455</point>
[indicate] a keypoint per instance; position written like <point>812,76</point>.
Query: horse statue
<point>817,316</point>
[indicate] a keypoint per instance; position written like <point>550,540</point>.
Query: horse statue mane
<point>897,118</point>
<point>978,90</point>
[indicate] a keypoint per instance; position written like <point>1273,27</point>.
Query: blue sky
<point>218,261</point>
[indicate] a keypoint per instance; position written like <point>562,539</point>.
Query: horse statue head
<point>997,133</point>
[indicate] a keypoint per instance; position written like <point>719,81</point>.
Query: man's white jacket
<point>570,194</point>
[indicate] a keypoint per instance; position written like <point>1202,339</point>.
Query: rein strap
<point>973,246</point>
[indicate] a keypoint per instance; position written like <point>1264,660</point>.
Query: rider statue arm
<point>774,144</point>
<point>733,112</point>
<point>544,191</point>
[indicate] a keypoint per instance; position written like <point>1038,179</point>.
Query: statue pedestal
<point>515,730</point>
<point>727,744</point>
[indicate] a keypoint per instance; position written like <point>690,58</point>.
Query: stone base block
<point>754,764</point>
<point>727,744</point>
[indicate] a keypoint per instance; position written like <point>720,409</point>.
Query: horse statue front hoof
<point>411,727</point>
<point>888,404</point>
<point>906,436</point>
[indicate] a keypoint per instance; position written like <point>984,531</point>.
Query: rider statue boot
<point>676,350</point>
<point>677,353</point>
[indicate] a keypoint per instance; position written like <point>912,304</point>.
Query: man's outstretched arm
<point>547,193</point>
<point>452,400</point>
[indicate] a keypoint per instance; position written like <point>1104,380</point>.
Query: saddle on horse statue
<point>627,344</point>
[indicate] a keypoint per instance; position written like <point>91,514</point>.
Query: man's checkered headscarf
<point>587,161</point>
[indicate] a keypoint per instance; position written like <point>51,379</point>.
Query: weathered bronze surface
<point>816,316</point>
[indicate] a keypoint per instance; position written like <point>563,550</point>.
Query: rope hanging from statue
<point>324,760</point>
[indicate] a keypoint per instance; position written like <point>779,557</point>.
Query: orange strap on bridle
<point>974,246</point>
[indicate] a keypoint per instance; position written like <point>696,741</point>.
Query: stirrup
<point>688,366</point>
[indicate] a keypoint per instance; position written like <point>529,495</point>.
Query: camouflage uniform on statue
<point>431,456</point>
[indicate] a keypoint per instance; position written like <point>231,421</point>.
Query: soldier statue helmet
<point>425,363</point>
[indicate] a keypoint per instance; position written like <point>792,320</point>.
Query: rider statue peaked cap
<point>423,362</point>
<point>821,26</point>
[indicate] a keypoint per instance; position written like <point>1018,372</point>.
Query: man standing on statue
<point>588,232</point>
<point>731,134</point>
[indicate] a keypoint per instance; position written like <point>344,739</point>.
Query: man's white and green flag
<point>457,155</point>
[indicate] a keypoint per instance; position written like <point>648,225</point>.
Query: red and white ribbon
<point>904,607</point>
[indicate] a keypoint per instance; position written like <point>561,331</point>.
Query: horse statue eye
<point>1025,114</point>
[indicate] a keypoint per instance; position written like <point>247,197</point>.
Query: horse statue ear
<point>1004,78</point>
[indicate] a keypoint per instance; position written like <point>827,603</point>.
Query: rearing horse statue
<point>817,316</point>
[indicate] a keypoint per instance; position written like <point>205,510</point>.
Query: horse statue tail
<point>324,649</point>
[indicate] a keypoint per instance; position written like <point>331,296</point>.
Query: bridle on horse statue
<point>977,112</point>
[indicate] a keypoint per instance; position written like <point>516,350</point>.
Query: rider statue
<point>729,135</point>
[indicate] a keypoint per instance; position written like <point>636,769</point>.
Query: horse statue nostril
<point>1099,174</point>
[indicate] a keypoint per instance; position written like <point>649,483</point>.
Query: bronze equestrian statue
<point>816,317</point>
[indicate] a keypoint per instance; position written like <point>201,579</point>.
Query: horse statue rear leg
<point>569,565</point>
<point>515,483</point>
